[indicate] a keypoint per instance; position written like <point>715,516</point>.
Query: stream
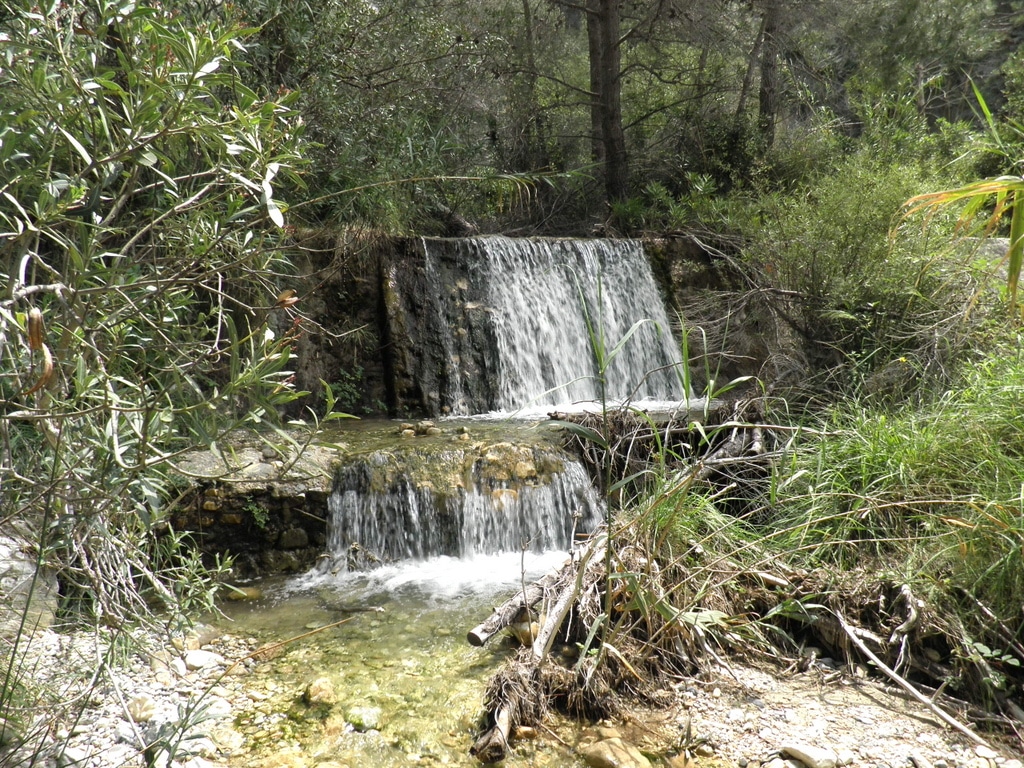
<point>462,514</point>
<point>409,687</point>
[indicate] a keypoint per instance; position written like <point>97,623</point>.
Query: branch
<point>902,683</point>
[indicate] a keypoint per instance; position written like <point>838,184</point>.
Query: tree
<point>609,141</point>
<point>141,235</point>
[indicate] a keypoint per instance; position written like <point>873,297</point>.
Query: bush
<point>858,288</point>
<point>933,491</point>
<point>140,228</point>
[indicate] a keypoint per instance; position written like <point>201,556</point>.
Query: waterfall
<point>384,509</point>
<point>548,307</point>
<point>498,324</point>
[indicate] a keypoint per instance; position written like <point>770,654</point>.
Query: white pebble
<point>200,659</point>
<point>811,756</point>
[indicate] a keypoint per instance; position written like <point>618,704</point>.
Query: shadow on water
<point>409,687</point>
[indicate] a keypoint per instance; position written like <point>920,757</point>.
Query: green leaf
<point>1016,253</point>
<point>587,433</point>
<point>628,335</point>
<point>77,145</point>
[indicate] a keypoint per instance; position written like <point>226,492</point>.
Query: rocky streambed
<point>376,672</point>
<point>328,669</point>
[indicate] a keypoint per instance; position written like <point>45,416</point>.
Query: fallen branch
<point>492,746</point>
<point>509,611</point>
<point>902,683</point>
<point>518,694</point>
<point>556,615</point>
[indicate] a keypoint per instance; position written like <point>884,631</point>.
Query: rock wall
<point>384,490</point>
<point>259,505</point>
<point>439,341</point>
<point>394,332</point>
<point>731,334</point>
<point>340,333</point>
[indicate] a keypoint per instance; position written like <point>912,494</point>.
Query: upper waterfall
<point>527,322</point>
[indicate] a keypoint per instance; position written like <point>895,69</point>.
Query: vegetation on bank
<point>154,158</point>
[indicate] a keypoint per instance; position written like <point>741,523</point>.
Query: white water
<point>659,410</point>
<point>441,578</point>
<point>408,522</point>
<point>565,323</point>
<point>557,307</point>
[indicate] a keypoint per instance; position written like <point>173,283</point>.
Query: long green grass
<point>935,490</point>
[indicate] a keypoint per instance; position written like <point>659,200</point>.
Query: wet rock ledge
<point>267,506</point>
<point>258,503</point>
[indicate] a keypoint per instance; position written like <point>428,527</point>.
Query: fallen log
<point>510,611</point>
<point>594,552</point>
<point>518,694</point>
<point>492,746</point>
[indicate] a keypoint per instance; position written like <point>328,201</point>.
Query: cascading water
<point>550,308</point>
<point>498,324</point>
<point>458,517</point>
<point>443,497</point>
<point>404,521</point>
<point>558,303</point>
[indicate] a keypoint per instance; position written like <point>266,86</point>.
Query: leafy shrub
<point>856,289</point>
<point>140,226</point>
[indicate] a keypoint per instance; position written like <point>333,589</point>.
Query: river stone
<point>142,708</point>
<point>243,593</point>
<point>71,757</point>
<point>320,691</point>
<point>200,659</point>
<point>811,756</point>
<point>364,718</point>
<point>614,753</point>
<point>19,594</point>
<point>524,470</point>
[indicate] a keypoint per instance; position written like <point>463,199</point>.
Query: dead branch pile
<point>676,588</point>
<point>631,613</point>
<point>729,448</point>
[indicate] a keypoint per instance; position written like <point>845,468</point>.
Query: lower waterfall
<point>502,497</point>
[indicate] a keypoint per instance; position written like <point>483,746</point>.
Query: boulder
<point>364,718</point>
<point>614,753</point>
<point>320,691</point>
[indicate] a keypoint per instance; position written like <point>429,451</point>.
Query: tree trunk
<point>748,76</point>
<point>769,91</point>
<point>609,142</point>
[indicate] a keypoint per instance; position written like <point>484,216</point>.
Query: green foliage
<point>658,209</point>
<point>141,224</point>
<point>1013,90</point>
<point>141,235</point>
<point>1007,192</point>
<point>260,514</point>
<point>857,291</point>
<point>934,490</point>
<point>917,40</point>
<point>386,92</point>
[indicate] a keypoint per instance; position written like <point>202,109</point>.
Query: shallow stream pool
<point>409,687</point>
